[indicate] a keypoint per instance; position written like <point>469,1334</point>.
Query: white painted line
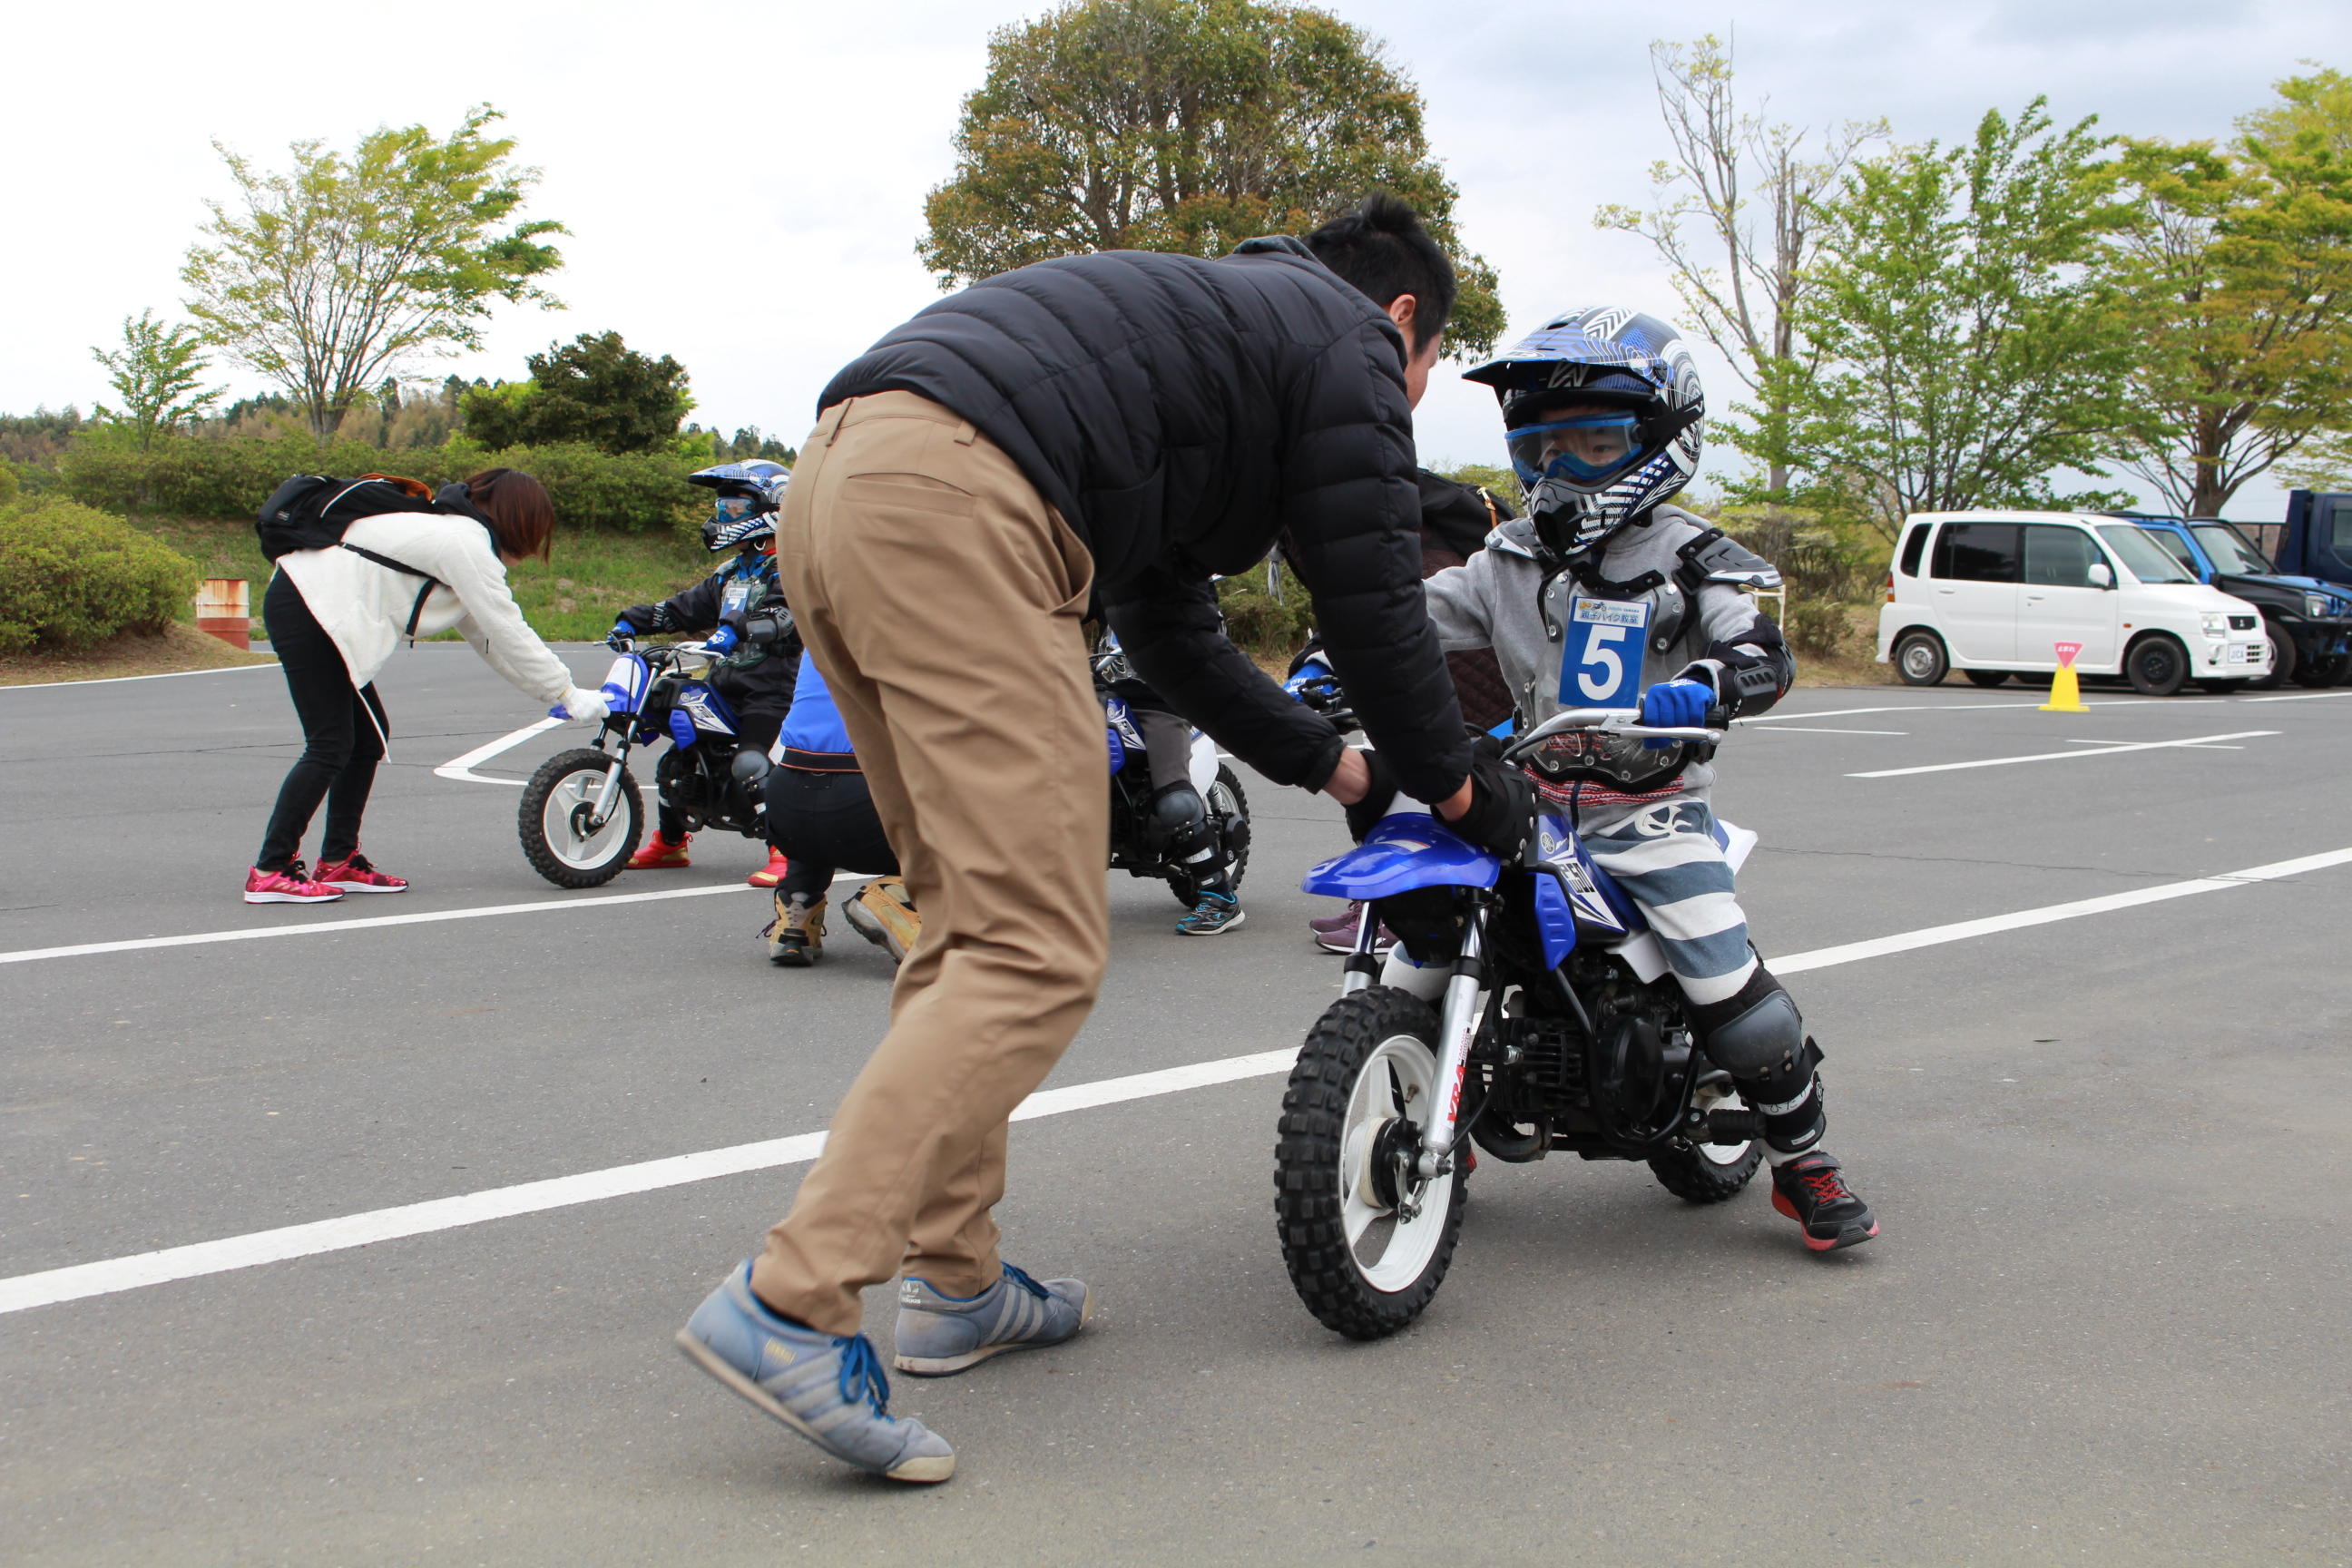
<point>2061,756</point>
<point>118,680</point>
<point>1961,931</point>
<point>331,927</point>
<point>108,1276</point>
<point>2299,697</point>
<point>1897,708</point>
<point>1827,730</point>
<point>461,768</point>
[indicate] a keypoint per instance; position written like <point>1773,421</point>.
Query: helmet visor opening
<point>735,509</point>
<point>1584,450</point>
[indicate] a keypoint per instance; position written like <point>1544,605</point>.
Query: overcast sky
<point>744,181</point>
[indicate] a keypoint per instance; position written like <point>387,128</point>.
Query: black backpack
<point>310,512</point>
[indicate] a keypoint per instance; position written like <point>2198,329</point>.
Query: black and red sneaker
<point>1809,1190</point>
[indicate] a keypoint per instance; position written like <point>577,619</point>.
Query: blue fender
<point>1409,849</point>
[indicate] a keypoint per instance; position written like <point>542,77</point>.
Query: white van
<point>1991,592</point>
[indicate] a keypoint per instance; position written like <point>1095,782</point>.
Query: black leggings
<point>825,823</point>
<point>342,734</point>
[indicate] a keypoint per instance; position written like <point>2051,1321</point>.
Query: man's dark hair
<point>1381,248</point>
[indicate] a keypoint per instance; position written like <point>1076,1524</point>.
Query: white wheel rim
<point>1709,1098</point>
<point>573,790</point>
<point>1400,1071</point>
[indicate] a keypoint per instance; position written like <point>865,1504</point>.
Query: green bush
<point>1827,571</point>
<point>71,577</point>
<point>1257,621</point>
<point>183,476</point>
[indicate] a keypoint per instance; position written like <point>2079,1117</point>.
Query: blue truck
<point>2306,595</point>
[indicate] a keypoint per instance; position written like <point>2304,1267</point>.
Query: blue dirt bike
<point>582,818</point>
<point>1555,1025</point>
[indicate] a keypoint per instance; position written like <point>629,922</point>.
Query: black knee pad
<point>1181,821</point>
<point>1762,1038</point>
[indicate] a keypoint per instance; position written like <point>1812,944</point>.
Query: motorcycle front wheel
<point>1366,1243</point>
<point>556,822</point>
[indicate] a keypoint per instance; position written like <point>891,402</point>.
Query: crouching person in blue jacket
<point>821,819</point>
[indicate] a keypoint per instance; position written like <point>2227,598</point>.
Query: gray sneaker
<point>941,1334</point>
<point>828,1388</point>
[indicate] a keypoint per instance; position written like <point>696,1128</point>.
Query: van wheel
<point>1920,659</point>
<point>1986,678</point>
<point>2156,665</point>
<point>2283,658</point>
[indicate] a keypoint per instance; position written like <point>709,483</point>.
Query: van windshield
<point>2141,555</point>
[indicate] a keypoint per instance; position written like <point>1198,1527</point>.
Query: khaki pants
<point>941,598</point>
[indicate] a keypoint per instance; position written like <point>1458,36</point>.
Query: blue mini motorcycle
<point>1541,1016</point>
<point>581,817</point>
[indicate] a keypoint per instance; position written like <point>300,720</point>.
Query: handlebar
<point>1607,722</point>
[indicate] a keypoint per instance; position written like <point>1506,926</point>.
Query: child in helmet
<point>757,680</point>
<point>1180,817</point>
<point>1605,597</point>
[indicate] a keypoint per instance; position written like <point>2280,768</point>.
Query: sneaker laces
<point>861,1375</point>
<point>1026,1283</point>
<point>1825,1184</point>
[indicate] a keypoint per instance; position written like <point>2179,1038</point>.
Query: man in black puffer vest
<point>1117,426</point>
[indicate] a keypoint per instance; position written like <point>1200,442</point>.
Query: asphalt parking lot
<point>2081,981</point>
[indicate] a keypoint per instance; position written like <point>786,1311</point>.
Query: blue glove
<point>1676,704</point>
<point>1312,670</point>
<point>723,640</point>
<point>622,632</point>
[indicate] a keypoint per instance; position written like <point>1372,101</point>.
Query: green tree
<point>1967,347</point>
<point>1750,192</point>
<point>594,389</point>
<point>156,372</point>
<point>1186,126</point>
<point>331,274</point>
<point>2244,255</point>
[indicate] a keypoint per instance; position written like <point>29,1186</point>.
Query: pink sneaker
<point>353,874</point>
<point>291,886</point>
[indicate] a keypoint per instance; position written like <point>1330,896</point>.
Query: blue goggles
<point>1586,449</point>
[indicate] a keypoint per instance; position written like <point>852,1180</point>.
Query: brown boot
<point>883,912</point>
<point>796,936</point>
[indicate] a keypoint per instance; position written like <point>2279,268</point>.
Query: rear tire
<point>555,805</point>
<point>1987,679</point>
<point>1366,1074</point>
<point>1920,659</point>
<point>2156,665</point>
<point>1710,1172</point>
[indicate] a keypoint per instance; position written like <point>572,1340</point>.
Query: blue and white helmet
<point>1604,416</point>
<point>749,494</point>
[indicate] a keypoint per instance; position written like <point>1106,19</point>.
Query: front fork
<point>1465,1002</point>
<point>610,792</point>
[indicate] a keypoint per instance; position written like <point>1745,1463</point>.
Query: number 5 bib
<point>1600,657</point>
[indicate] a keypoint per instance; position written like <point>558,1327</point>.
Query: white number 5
<point>1599,656</point>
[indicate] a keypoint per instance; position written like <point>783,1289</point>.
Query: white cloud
<point>744,181</point>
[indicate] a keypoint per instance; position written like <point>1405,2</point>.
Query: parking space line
<point>118,680</point>
<point>109,1276</point>
<point>1826,730</point>
<point>2300,697</point>
<point>2108,751</point>
<point>462,768</point>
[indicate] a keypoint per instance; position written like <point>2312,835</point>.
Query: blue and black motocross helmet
<point>1604,416</point>
<point>748,496</point>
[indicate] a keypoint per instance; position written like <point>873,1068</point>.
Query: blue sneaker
<point>941,1334</point>
<point>828,1388</point>
<point>1213,913</point>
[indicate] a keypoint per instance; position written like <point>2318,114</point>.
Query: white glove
<point>581,704</point>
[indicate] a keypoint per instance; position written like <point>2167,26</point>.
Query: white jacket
<point>364,607</point>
